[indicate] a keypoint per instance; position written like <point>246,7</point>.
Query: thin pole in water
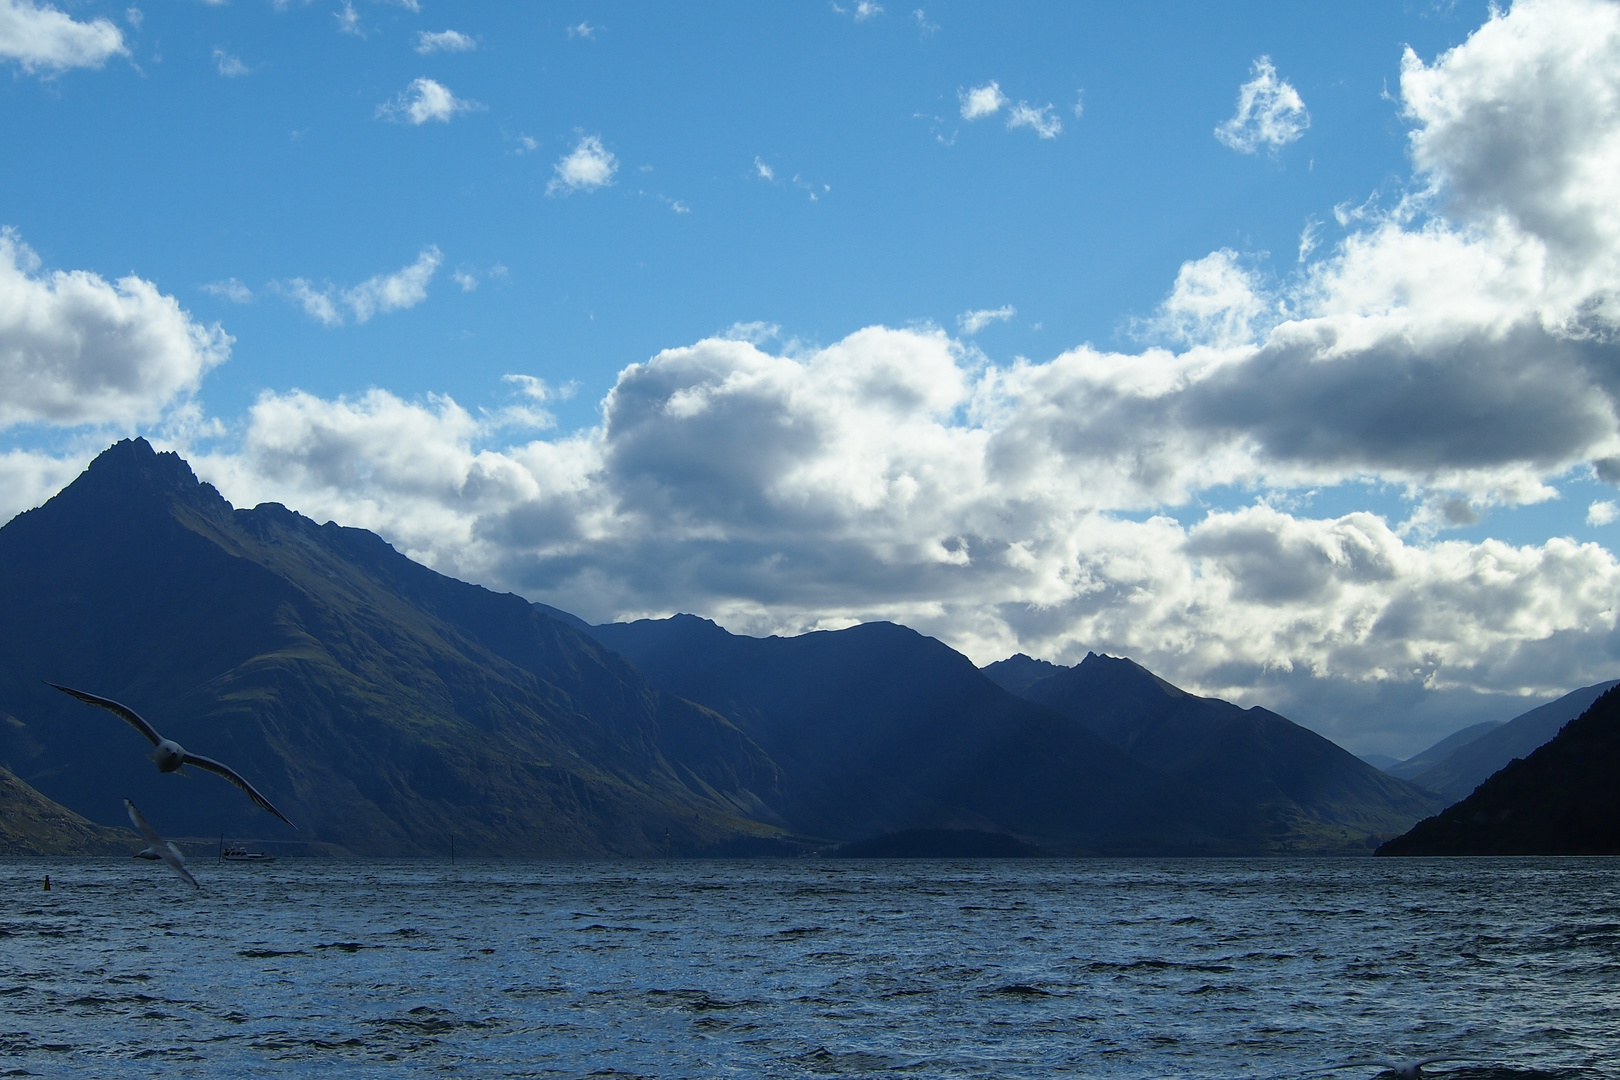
<point>452,849</point>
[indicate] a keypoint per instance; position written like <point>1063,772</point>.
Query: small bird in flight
<point>160,848</point>
<point>1404,1070</point>
<point>170,755</point>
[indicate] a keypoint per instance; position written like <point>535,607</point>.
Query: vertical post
<point>452,849</point>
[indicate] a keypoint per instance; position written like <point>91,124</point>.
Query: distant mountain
<point>1561,800</point>
<point>382,706</point>
<point>1466,767</point>
<point>1019,672</point>
<point>1407,768</point>
<point>1382,762</point>
<point>878,729</point>
<point>31,824</point>
<point>1307,792</point>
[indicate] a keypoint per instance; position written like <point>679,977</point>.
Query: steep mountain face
<point>880,730</point>
<point>1466,767</point>
<point>31,824</point>
<point>1424,760</point>
<point>1307,792</point>
<point>1561,800</point>
<point>382,706</point>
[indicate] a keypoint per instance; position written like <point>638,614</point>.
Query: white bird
<point>1404,1070</point>
<point>170,755</point>
<point>161,848</point>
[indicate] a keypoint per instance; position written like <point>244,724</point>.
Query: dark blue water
<point>1196,968</point>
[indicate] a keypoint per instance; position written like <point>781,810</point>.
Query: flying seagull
<point>1404,1070</point>
<point>160,848</point>
<point>170,755</point>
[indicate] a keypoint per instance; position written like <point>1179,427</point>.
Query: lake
<point>1108,968</point>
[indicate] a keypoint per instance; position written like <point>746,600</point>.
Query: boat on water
<point>237,853</point>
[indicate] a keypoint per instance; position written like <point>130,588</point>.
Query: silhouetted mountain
<point>382,706</point>
<point>878,729</point>
<point>1561,800</point>
<point>1305,792</point>
<point>31,824</point>
<point>1465,768</point>
<point>1407,768</point>
<point>1019,672</point>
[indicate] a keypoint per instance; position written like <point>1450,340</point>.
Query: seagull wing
<point>172,856</point>
<point>143,825</point>
<point>236,778</point>
<point>123,711</point>
<point>161,848</point>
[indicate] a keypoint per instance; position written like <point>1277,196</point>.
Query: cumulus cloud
<point>981,101</point>
<point>425,100</point>
<point>587,167</point>
<point>1269,112</point>
<point>77,349</point>
<point>971,322</point>
<point>39,37</point>
<point>379,295</point>
<point>866,9</point>
<point>429,42</point>
<point>1603,512</point>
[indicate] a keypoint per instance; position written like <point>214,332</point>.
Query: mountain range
<point>1037,748</point>
<point>387,708</point>
<point>383,707</point>
<point>1459,763</point>
<point>1562,799</point>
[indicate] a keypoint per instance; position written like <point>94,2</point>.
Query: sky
<point>1273,346</point>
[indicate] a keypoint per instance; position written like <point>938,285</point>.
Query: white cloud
<point>404,288</point>
<point>866,9</point>
<point>587,167</point>
<point>425,100</point>
<point>430,42</point>
<point>1043,121</point>
<point>971,322</point>
<point>76,349</point>
<point>763,171</point>
<point>583,30</point>
<point>923,25</point>
<point>40,37</point>
<point>230,66</point>
<point>1269,112</point>
<point>348,20</point>
<point>230,289</point>
<point>1603,512</point>
<point>466,278</point>
<point>981,101</point>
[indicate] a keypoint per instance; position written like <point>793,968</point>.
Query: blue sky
<point>1009,324</point>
